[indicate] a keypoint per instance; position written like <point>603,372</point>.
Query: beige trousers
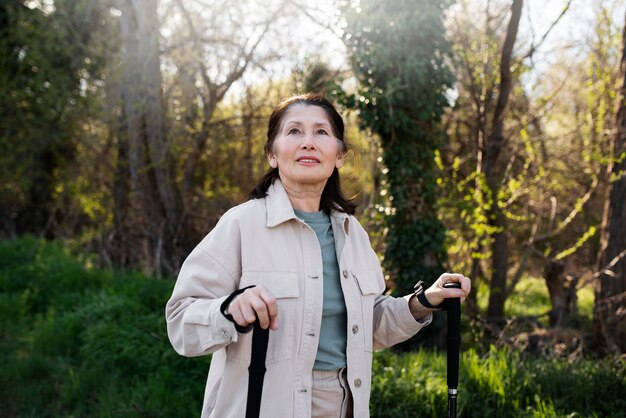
<point>331,394</point>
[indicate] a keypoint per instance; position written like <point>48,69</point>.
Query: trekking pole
<point>453,340</point>
<point>256,371</point>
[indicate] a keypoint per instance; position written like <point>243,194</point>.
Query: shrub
<point>80,342</point>
<point>498,383</point>
<point>87,342</point>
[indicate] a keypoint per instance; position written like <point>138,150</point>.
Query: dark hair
<point>332,196</point>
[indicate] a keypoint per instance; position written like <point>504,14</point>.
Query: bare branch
<point>196,43</point>
<point>305,11</point>
<point>575,211</point>
<point>247,56</point>
<point>496,140</point>
<point>606,270</point>
<point>534,47</point>
<point>610,299</point>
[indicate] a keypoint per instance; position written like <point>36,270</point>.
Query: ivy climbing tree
<point>397,51</point>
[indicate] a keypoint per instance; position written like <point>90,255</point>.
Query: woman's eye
<point>322,132</point>
<point>293,131</point>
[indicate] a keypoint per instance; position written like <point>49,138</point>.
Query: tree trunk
<point>493,170</point>
<point>248,114</point>
<point>158,147</point>
<point>148,209</point>
<point>131,225</point>
<point>476,274</point>
<point>610,303</point>
<point>562,290</point>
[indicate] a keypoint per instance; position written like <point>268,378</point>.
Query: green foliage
<point>92,343</point>
<point>498,383</point>
<point>87,342</point>
<point>46,73</point>
<point>408,385</point>
<point>464,203</point>
<point>531,299</point>
<point>397,51</point>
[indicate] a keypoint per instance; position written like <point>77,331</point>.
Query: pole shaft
<point>451,406</point>
<point>453,339</point>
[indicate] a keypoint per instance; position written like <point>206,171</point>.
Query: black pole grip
<point>453,340</point>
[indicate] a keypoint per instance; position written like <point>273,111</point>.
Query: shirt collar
<point>279,208</point>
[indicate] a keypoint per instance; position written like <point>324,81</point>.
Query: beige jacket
<point>262,242</point>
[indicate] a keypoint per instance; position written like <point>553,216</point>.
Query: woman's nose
<point>307,142</point>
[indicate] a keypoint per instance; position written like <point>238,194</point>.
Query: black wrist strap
<point>224,308</point>
<point>422,299</point>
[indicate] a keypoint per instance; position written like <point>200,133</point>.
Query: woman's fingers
<point>242,313</point>
<point>264,306</point>
<point>254,303</point>
<point>466,285</point>
<point>272,309</point>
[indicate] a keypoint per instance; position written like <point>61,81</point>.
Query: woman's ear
<point>341,157</point>
<point>272,160</point>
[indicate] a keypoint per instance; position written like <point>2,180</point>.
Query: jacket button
<point>357,383</point>
<point>345,274</point>
<point>355,329</point>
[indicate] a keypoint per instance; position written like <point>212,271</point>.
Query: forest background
<point>488,138</point>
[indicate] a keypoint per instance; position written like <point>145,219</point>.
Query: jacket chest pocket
<point>283,285</point>
<point>369,289</point>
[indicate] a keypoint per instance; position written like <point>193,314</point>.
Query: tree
<point>493,170</point>
<point>149,219</point>
<point>482,161</point>
<point>397,52</point>
<point>610,302</point>
<point>46,58</point>
<point>159,196</point>
<point>577,166</point>
<point>548,219</point>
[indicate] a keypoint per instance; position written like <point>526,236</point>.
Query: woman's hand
<point>437,293</point>
<point>255,302</point>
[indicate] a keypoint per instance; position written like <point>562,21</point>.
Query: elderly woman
<point>294,258</point>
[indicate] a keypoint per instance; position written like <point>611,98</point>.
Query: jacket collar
<point>278,206</point>
<point>279,209</point>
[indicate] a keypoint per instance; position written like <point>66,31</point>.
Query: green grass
<point>531,298</point>
<point>498,383</point>
<point>76,341</point>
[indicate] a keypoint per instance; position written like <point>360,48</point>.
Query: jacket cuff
<point>425,320</point>
<point>203,329</point>
<point>408,320</point>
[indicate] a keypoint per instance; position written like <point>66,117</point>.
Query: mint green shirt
<point>331,352</point>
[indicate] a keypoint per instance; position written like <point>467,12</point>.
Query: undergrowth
<point>82,342</point>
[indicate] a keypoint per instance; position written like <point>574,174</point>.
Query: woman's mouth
<point>308,160</point>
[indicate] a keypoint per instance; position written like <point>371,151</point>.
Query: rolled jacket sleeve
<point>393,320</point>
<point>195,325</point>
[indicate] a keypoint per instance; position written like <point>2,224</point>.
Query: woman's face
<point>306,150</point>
